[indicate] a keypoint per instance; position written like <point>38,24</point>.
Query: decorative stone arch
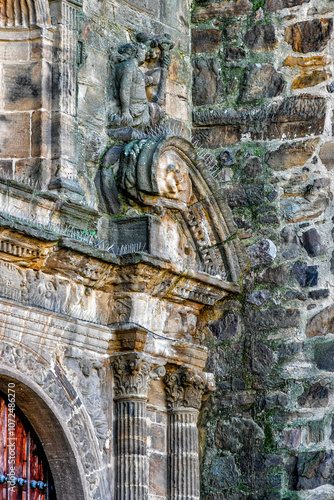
<point>203,212</point>
<point>24,13</point>
<point>51,405</point>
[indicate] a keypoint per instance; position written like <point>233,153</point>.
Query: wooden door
<point>24,471</point>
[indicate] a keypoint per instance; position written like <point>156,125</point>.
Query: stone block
<point>14,50</point>
<point>310,79</point>
<point>261,253</point>
<point>312,243</point>
<point>309,36</point>
<point>147,6</point>
<point>315,432</point>
<point>224,473</point>
<point>292,154</point>
<point>226,9</point>
<point>276,275</point>
<point>324,356</point>
<point>238,433</point>
<point>15,135</point>
<point>259,297</point>
<point>158,438</point>
<point>157,474</point>
<point>233,53</point>
<point>259,358</point>
<point>306,62</point>
<point>236,196</point>
<point>253,167</point>
<point>327,154</point>
<point>225,327</point>
<point>205,40</point>
<point>217,137</point>
<point>6,167</point>
<point>315,468</point>
<point>207,84</point>
<point>315,396</point>
<point>41,134</point>
<point>273,5</point>
<point>23,86</point>
<point>266,319</point>
<point>261,37</point>
<point>260,80</point>
<point>307,276</point>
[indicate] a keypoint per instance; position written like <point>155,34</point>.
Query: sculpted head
<point>134,51</point>
<point>173,178</point>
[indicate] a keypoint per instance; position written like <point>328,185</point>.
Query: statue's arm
<point>125,86</point>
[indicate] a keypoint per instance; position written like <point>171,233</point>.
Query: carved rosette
<point>133,374</point>
<point>185,388</point>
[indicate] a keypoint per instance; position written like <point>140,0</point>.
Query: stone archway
<point>50,404</point>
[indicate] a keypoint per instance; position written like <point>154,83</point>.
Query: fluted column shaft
<point>184,389</point>
<point>132,375</point>
<point>183,462</point>
<point>131,450</point>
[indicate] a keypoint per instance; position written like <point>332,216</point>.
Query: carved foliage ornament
<point>133,374</point>
<point>185,388</point>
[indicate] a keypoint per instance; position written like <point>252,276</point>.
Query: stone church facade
<point>166,249</point>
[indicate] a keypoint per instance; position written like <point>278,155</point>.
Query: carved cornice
<point>133,373</point>
<point>185,387</point>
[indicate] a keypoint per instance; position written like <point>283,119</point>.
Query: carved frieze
<point>185,387</point>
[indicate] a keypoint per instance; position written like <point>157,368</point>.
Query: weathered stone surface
<point>306,62</point>
<point>260,80</point>
<point>315,431</point>
<point>225,327</point>
<point>205,40</point>
<point>324,356</point>
<point>310,79</point>
<point>253,168</point>
<point>255,193</point>
<point>225,9</point>
<point>226,158</point>
<point>224,473</point>
<point>23,89</point>
<point>273,5</point>
<point>233,53</point>
<point>322,323</point>
<point>315,469</point>
<point>327,155</point>
<point>312,243</point>
<point>276,275</point>
<point>259,358</point>
<point>293,117</point>
<point>239,433</point>
<point>265,319</point>
<point>291,438</point>
<point>315,396</point>
<point>236,196</point>
<point>261,37</point>
<point>277,399</point>
<point>262,253</point>
<point>305,275</point>
<point>207,85</point>
<point>293,154</point>
<point>12,126</point>
<point>309,36</point>
<point>325,492</point>
<point>258,298</point>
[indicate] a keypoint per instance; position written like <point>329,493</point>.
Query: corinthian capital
<point>185,387</point>
<point>133,373</point>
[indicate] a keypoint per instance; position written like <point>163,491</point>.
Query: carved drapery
<point>19,13</point>
<point>184,390</point>
<point>132,376</point>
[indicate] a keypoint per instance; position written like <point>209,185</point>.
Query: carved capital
<point>185,387</point>
<point>133,373</point>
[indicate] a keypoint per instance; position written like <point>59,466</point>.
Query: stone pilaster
<point>65,14</point>
<point>184,389</point>
<point>132,374</point>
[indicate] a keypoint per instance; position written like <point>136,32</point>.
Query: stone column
<point>184,389</point>
<point>132,375</point>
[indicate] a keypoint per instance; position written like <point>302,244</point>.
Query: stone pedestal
<point>132,375</point>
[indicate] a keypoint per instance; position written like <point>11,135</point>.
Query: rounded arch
<point>59,418</point>
<point>24,13</point>
<point>55,440</point>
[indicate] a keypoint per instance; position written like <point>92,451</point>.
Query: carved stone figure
<point>90,388</point>
<point>140,95</point>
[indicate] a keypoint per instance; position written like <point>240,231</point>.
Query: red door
<point>24,471</point>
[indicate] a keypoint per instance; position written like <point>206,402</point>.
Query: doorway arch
<point>54,437</point>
